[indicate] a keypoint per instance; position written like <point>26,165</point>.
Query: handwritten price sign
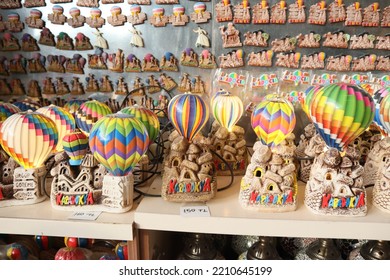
<point>195,211</point>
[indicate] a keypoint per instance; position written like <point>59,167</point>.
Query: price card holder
<point>85,216</point>
<point>195,211</point>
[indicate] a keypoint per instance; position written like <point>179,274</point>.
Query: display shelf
<point>42,219</point>
<point>228,217</point>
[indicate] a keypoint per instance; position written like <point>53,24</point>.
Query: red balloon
<point>70,253</point>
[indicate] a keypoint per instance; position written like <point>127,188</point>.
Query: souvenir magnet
<point>75,64</point>
<point>10,4</point>
<point>34,3</point>
<point>278,13</point>
<point>362,42</point>
<point>29,44</point>
<point>115,61</point>
<point>121,87</point>
<point>207,60</point>
<point>383,42</point>
<point>75,20</point>
<point>88,3</point>
<point>257,38</point>
<point>311,40</point>
<point>179,18</point>
<point>200,15</point>
<point>169,62</point>
<point>158,18</point>
<point>61,87</point>
<point>385,22</point>
<point>34,20</point>
<point>189,58</point>
<point>112,1</point>
<point>198,86</point>
<point>241,12</point>
<point>77,87</point>
<point>230,36</point>
<point>105,84</point>
<point>162,2</point>
<point>48,86</point>
<point>286,44</point>
<point>95,20</point>
<point>116,18</point>
<point>371,17</point>
<point>82,42</point>
<point>336,11</point>
<point>4,66</point>
<point>150,63</point>
<point>136,39</point>
<point>153,85</point>
<point>364,63</point>
<point>56,63</point>
<point>9,42</point>
<point>136,15</point>
<point>132,64</point>
<point>17,64</point>
<point>139,2</point>
<point>92,84</point>
<point>184,83</point>
<point>202,40</point>
<point>341,63</point>
<point>57,17</point>
<point>296,12</point>
<point>97,60</point>
<point>46,38</point>
<point>317,13</point>
<point>5,89</point>
<point>313,61</point>
<point>232,59</point>
<point>33,89</point>
<point>261,58</point>
<point>337,39</point>
<point>64,42</point>
<point>100,41</point>
<point>223,11</point>
<point>37,63</point>
<point>260,13</point>
<point>383,63</point>
<point>17,87</point>
<point>167,82</point>
<point>288,60</point>
<point>354,15</point>
<point>13,24</point>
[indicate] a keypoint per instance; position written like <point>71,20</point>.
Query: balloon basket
<point>189,172</point>
<point>27,188</point>
<point>336,186</point>
<point>270,183</point>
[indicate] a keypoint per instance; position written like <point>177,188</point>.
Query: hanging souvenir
<point>296,12</point>
<point>230,36</point>
<point>4,87</point>
<point>95,20</point>
<point>56,63</point>
<point>383,63</point>
<point>313,61</point>
<point>261,58</point>
<point>189,58</point>
<point>132,64</point>
<point>371,17</point>
<point>29,44</point>
<point>105,84</point>
<point>241,12</point>
<point>362,42</point>
<point>232,59</point>
<point>92,84</point>
<point>200,15</point>
<point>383,42</point>
<point>139,2</point>
<point>317,13</point>
<point>136,15</point>
<point>10,4</point>
<point>17,87</point>
<point>76,87</point>
<point>288,60</point>
<point>257,38</point>
<point>61,86</point>
<point>386,17</point>
<point>202,40</point>
<point>9,43</point>
<point>179,18</point>
<point>278,13</point>
<point>198,86</point>
<point>76,19</point>
<point>37,63</point>
<point>64,42</point>
<point>46,38</point>
<point>97,60</point>
<point>116,18</point>
<point>82,42</point>
<point>48,87</point>
<point>88,3</point>
<point>336,11</point>
<point>223,11</point>
<point>311,40</point>
<point>34,20</point>
<point>34,3</point>
<point>115,61</point>
<point>167,82</point>
<point>340,63</point>
<point>57,17</point>
<point>260,13</point>
<point>286,44</point>
<point>336,39</point>
<point>207,60</point>
<point>364,63</point>
<point>75,64</point>
<point>354,15</point>
<point>158,19</point>
<point>121,87</point>
<point>150,63</point>
<point>136,39</point>
<point>169,62</point>
<point>13,24</point>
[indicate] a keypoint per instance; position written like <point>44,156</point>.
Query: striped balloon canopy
<point>63,119</point>
<point>28,138</point>
<point>118,141</point>
<point>384,114</point>
<point>73,105</point>
<point>273,119</point>
<point>340,113</point>
<point>26,105</point>
<point>308,97</point>
<point>6,110</point>
<point>89,113</point>
<point>227,109</point>
<point>188,113</point>
<point>378,97</point>
<point>147,117</point>
<point>75,146</point>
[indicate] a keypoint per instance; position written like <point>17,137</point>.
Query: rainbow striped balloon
<point>273,119</point>
<point>89,113</point>
<point>6,110</point>
<point>76,146</point>
<point>378,97</point>
<point>309,93</point>
<point>28,138</point>
<point>118,142</point>
<point>384,114</point>
<point>188,113</point>
<point>341,112</point>
<point>147,117</point>
<point>227,109</point>
<point>64,121</point>
<point>73,105</point>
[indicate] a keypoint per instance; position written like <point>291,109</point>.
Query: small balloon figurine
<point>270,183</point>
<point>76,146</point>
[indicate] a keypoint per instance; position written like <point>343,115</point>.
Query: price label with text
<point>195,211</point>
<point>88,216</point>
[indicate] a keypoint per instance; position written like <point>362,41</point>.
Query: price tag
<point>195,211</point>
<point>86,216</point>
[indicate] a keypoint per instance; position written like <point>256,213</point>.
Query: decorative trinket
<point>34,3</point>
<point>76,19</point>
<point>185,83</point>
<point>77,87</point>
<point>34,20</point>
<point>364,63</point>
<point>13,24</point>
<point>105,84</point>
<point>202,40</point>
<point>36,64</point>
<point>189,58</point>
<point>121,88</point>
<point>4,87</point>
<point>64,42</point>
<point>179,18</point>
<point>46,38</point>
<point>56,63</point>
<point>296,12</point>
<point>150,63</point>
<point>383,42</point>
<point>200,15</point>
<point>261,58</point>
<point>354,15</point>
<point>57,17</point>
<point>207,60</point>
<point>116,18</point>
<point>33,89</point>
<point>169,62</point>
<point>136,15</point>
<point>386,17</point>
<point>95,20</point>
<point>198,86</point>
<point>100,41</point>
<point>29,44</point>
<point>136,39</point>
<point>371,17</point>
<point>137,84</point>
<point>337,11</point>
<point>9,43</point>
<point>82,42</point>
<point>362,41</point>
<point>167,82</point>
<point>60,1</point>
<point>230,36</point>
<point>97,60</point>
<point>383,63</point>
<point>115,61</point>
<point>286,44</point>
<point>232,59</point>
<point>17,87</point>
<point>112,1</point>
<point>311,40</point>
<point>10,4</point>
<point>162,2</point>
<point>340,63</point>
<point>223,11</point>
<point>313,61</point>
<point>132,64</point>
<point>48,86</point>
<point>3,66</point>
<point>153,85</point>
<point>288,60</point>
<point>61,86</point>
<point>257,38</point>
<point>75,65</point>
<point>260,13</point>
<point>241,12</point>
<point>336,39</point>
<point>92,84</point>
<point>158,18</point>
<point>317,13</point>
<point>278,13</point>
<point>88,3</point>
<point>17,64</point>
<point>139,2</point>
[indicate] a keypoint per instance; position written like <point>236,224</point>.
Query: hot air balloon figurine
<point>28,138</point>
<point>340,112</point>
<point>116,18</point>
<point>158,19</point>
<point>270,183</point>
<point>227,138</point>
<point>200,15</point>
<point>76,19</point>
<point>95,20</point>
<point>179,18</point>
<point>89,113</point>
<point>75,144</point>
<point>189,172</point>
<point>136,15</point>
<point>57,17</point>
<point>35,19</point>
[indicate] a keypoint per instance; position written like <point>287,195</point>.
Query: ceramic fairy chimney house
<point>7,168</point>
<point>375,160</point>
<point>381,191</point>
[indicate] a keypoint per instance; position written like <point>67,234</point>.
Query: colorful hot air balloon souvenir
<point>29,138</point>
<point>228,139</point>
<point>118,141</point>
<point>75,145</point>
<point>89,113</point>
<point>189,172</point>
<point>340,112</point>
<point>273,120</point>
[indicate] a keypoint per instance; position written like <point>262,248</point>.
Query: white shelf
<point>42,219</point>
<point>228,217</point>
